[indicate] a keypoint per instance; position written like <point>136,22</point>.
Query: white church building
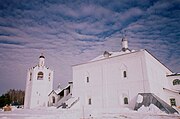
<point>118,79</point>
<point>113,80</point>
<point>39,84</point>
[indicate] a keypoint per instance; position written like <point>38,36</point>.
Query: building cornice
<point>174,91</point>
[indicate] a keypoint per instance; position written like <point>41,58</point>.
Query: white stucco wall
<point>28,90</point>
<point>37,90</point>
<point>157,76</point>
<point>107,87</point>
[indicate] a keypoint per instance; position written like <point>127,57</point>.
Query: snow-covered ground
<point>53,113</point>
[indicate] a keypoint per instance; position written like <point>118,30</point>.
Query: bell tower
<point>39,84</point>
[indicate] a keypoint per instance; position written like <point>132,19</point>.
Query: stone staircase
<point>150,98</point>
<point>67,102</point>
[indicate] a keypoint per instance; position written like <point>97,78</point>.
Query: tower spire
<point>124,43</point>
<point>41,60</point>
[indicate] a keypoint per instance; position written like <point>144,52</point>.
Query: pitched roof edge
<point>106,58</point>
<point>158,60</point>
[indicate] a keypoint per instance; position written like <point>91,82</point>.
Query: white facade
<point>113,80</point>
<point>173,89</point>
<point>38,85</point>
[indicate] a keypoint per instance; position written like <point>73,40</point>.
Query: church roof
<point>121,53</point>
<point>58,91</point>
<point>111,54</point>
<point>55,91</point>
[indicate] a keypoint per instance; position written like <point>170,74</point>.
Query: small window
<point>87,79</point>
<point>89,101</point>
<point>124,74</point>
<point>126,100</point>
<point>30,76</point>
<point>176,82</point>
<point>40,76</point>
<point>173,102</point>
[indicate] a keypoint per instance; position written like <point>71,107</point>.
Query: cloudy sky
<point>70,32</point>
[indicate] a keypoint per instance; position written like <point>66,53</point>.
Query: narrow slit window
<point>30,76</point>
<point>89,101</point>
<point>49,76</point>
<point>87,78</point>
<point>124,74</point>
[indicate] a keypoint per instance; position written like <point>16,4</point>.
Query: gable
<point>52,92</point>
<point>151,57</point>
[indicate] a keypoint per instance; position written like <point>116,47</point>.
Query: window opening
<point>124,74</point>
<point>173,102</point>
<point>176,82</point>
<point>30,76</point>
<point>87,79</point>
<point>125,100</point>
<point>40,76</point>
<point>53,98</point>
<point>89,101</point>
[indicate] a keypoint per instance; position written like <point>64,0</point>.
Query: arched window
<point>124,74</point>
<point>87,79</point>
<point>53,99</point>
<point>89,101</point>
<point>40,76</point>
<point>124,71</point>
<point>176,82</point>
<point>86,76</point>
<point>126,100</point>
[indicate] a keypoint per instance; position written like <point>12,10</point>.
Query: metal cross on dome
<point>124,33</point>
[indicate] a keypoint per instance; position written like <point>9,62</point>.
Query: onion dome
<point>41,56</point>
